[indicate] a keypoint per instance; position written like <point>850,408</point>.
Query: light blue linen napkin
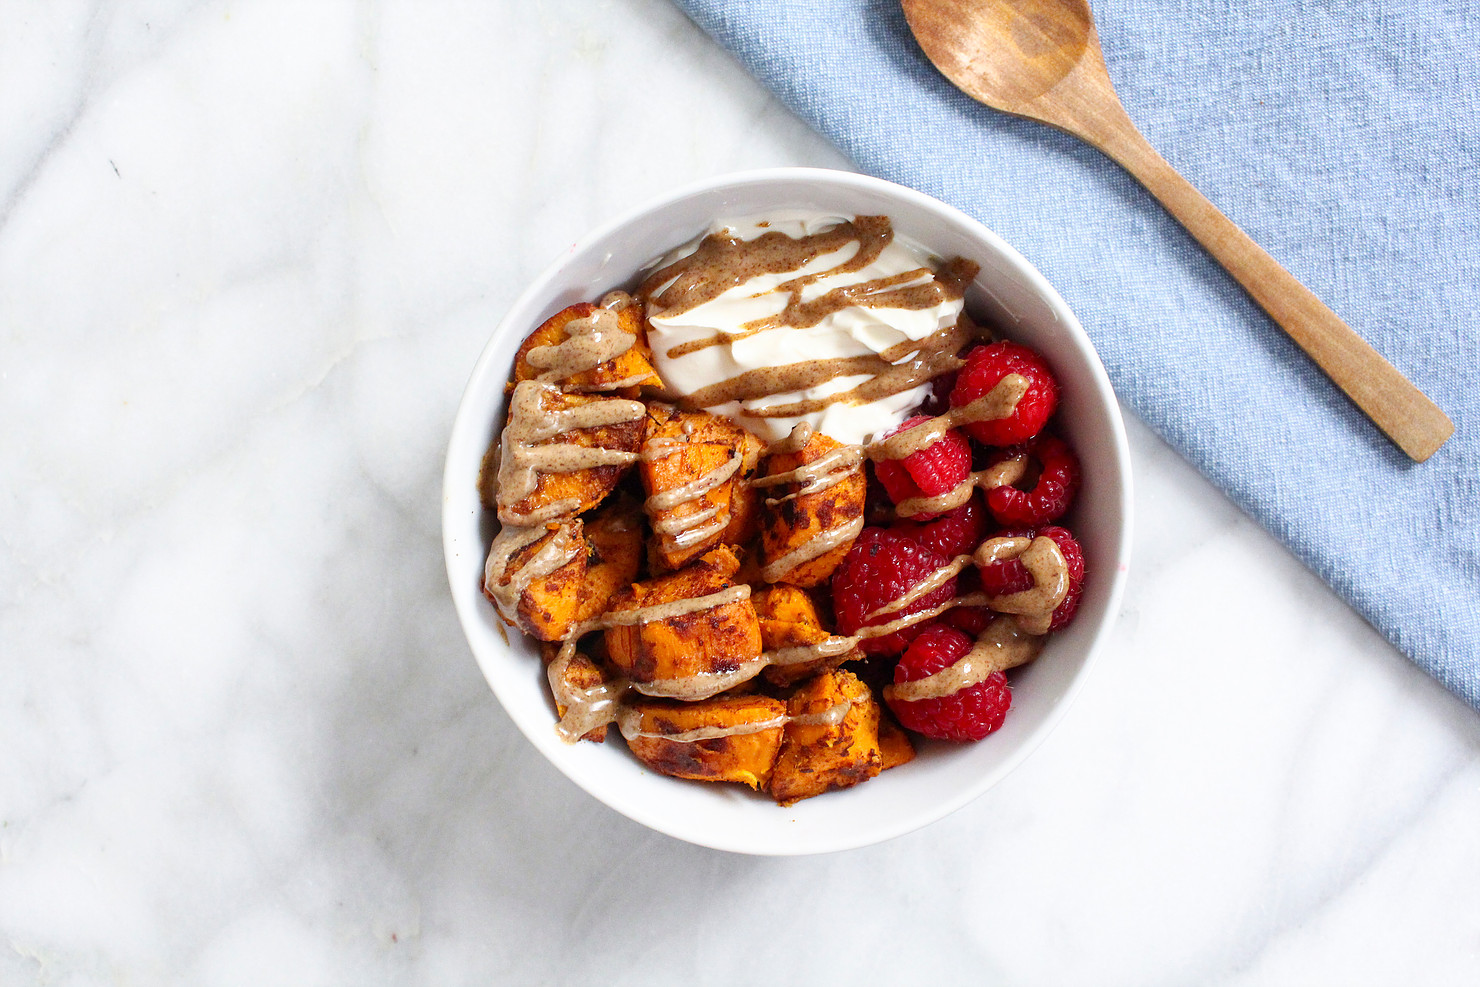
<point>1344,138</point>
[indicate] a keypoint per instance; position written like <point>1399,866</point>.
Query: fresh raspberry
<point>985,367</point>
<point>1051,494</point>
<point>1011,576</point>
<point>938,401</point>
<point>881,567</point>
<point>969,714</point>
<point>971,621</point>
<point>1074,557</point>
<point>938,468</point>
<point>1007,575</point>
<point>956,532</point>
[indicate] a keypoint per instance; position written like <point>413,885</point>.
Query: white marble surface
<point>248,253</point>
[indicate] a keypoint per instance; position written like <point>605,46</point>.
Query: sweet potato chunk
<point>552,353</point>
<point>727,738</point>
<point>798,524</point>
<point>745,500</point>
<point>817,754</point>
<point>669,649</point>
<point>529,483</point>
<point>684,449</point>
<point>613,554</point>
<point>549,607</point>
<point>789,620</point>
<point>534,578</point>
<point>579,675</point>
<point>894,743</point>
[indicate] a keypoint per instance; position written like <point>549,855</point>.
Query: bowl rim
<point>463,422</point>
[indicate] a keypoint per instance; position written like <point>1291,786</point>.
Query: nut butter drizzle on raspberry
<point>1045,562</point>
<point>1000,402</point>
<point>1003,645</point>
<point>1010,470</point>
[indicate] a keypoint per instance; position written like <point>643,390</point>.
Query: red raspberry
<point>1050,496</point>
<point>1008,575</point>
<point>971,621</point>
<point>938,468</point>
<point>969,714</point>
<point>985,366</point>
<point>1011,576</point>
<point>1074,557</point>
<point>939,398</point>
<point>881,567</point>
<point>953,533</point>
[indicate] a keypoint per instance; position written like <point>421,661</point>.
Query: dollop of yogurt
<point>753,325</point>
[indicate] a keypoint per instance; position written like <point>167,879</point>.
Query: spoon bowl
<point>1041,59</point>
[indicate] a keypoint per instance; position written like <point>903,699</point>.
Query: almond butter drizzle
<point>997,403</point>
<point>527,451</point>
<point>589,708</point>
<point>721,262</point>
<point>824,471</point>
<point>923,360</point>
<point>819,545</point>
<point>1045,562</point>
<point>629,721</point>
<point>1005,473</point>
<point>589,342</point>
<point>506,589</point>
<point>1003,645</point>
<point>925,587</point>
<point>666,500</point>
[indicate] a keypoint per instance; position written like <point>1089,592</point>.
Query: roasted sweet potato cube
<point>682,635</point>
<point>894,743</point>
<point>533,577</point>
<point>563,349</point>
<point>745,500</point>
<point>613,553</point>
<point>573,678</point>
<point>819,754</point>
<point>550,606</point>
<point>689,464</point>
<point>547,473</point>
<point>727,738</point>
<point>789,623</point>
<point>806,535</point>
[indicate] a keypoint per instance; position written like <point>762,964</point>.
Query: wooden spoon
<point>1041,59</point>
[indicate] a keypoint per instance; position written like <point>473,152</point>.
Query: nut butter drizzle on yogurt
<point>723,261</point>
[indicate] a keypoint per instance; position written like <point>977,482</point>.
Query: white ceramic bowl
<point>1021,305</point>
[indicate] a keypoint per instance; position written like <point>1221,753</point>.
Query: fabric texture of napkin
<point>1344,138</point>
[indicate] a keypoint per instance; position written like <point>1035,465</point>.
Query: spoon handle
<point>1404,413</point>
